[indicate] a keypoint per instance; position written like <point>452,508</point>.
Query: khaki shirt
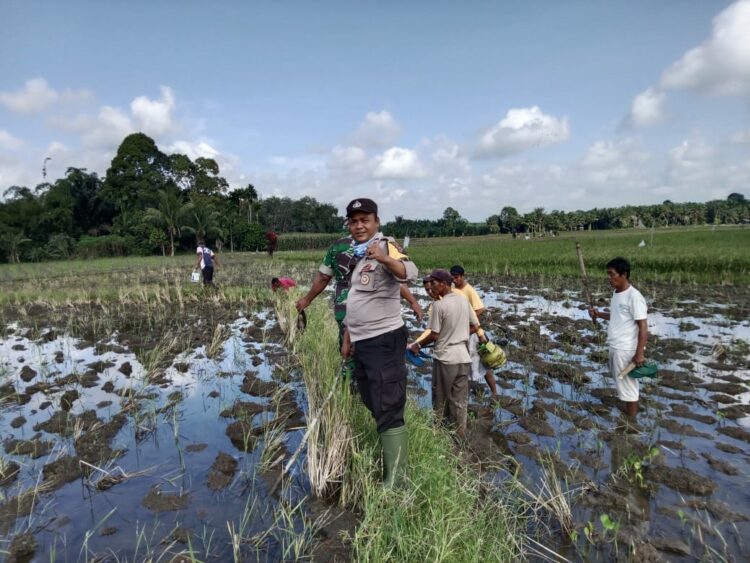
<point>450,318</point>
<point>373,306</point>
<point>471,294</point>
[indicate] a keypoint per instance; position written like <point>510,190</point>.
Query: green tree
<point>12,242</point>
<point>207,178</point>
<point>246,200</point>
<point>202,219</point>
<point>452,221</point>
<point>509,219</point>
<point>138,171</point>
<point>169,215</point>
<point>493,222</point>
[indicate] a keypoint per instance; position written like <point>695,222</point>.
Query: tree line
<point>735,209</point>
<point>149,202</point>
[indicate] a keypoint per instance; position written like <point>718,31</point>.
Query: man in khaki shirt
<point>452,320</point>
<point>375,334</point>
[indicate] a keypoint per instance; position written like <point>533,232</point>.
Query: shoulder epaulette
<point>394,252</point>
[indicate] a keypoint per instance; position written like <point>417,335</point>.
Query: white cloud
<point>56,148</point>
<point>13,172</point>
<point>522,129</point>
<point>720,65</point>
<point>690,154</point>
<point>154,117</point>
<point>459,191</point>
<point>34,97</point>
<point>193,150</point>
<point>111,125</point>
<point>77,97</point>
<point>398,163</point>
<point>347,157</point>
<point>447,157</point>
<point>379,129</point>
<point>8,142</point>
<point>37,95</point>
<point>622,164</point>
<point>647,108</point>
<point>741,137</point>
<point>107,129</point>
<point>608,173</point>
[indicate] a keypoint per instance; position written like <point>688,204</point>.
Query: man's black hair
<point>275,280</point>
<point>620,265</point>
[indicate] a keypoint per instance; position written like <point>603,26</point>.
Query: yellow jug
<point>492,355</point>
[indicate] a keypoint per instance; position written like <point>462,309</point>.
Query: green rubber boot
<point>395,442</point>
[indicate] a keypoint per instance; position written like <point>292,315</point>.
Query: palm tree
<point>13,242</point>
<point>169,215</point>
<point>203,220</point>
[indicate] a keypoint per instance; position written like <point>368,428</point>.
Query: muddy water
<point>164,478</point>
<point>672,488</point>
<point>170,456</point>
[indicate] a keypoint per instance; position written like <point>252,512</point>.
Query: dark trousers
<point>380,371</point>
<point>208,275</point>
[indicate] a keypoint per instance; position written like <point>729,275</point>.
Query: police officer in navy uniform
<point>375,334</point>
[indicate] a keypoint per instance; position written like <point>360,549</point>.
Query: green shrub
<point>101,247</point>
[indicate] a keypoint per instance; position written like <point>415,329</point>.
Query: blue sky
<point>420,105</point>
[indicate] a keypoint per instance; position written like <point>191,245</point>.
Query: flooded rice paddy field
<point>675,486</point>
<point>127,439</point>
<point>149,447</point>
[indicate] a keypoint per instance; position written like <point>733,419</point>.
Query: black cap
<point>457,271</point>
<point>361,205</point>
<point>441,275</point>
<point>427,279</point>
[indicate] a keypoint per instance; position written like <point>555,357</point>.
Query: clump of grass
<point>551,500</point>
<point>329,431</point>
<point>274,436</point>
<point>221,334</point>
<point>445,513</point>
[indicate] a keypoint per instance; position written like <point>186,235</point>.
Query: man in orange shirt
<point>478,371</point>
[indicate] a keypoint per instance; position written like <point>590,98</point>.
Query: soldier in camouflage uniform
<point>338,263</point>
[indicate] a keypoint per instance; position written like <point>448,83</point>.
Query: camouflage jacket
<point>339,263</point>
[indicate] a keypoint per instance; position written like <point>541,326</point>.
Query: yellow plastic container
<point>492,355</point>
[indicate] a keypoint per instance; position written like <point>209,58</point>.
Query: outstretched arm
<point>409,297</point>
<point>422,342</point>
<point>319,284</point>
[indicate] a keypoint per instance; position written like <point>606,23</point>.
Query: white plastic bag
<point>195,277</point>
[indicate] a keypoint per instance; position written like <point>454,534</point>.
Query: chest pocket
<point>369,280</point>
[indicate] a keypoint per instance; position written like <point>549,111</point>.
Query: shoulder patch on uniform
<point>394,252</point>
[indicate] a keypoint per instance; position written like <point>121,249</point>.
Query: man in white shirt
<point>627,332</point>
<point>206,259</point>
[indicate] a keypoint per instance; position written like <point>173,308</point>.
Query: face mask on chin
<point>361,248</point>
